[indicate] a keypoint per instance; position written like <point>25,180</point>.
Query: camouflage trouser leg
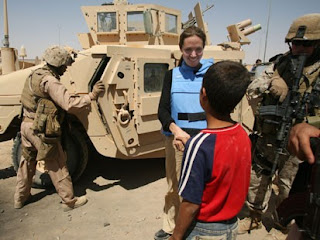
<point>26,171</point>
<point>261,185</point>
<point>259,192</point>
<point>286,176</point>
<point>55,166</point>
<point>60,177</point>
<point>172,199</point>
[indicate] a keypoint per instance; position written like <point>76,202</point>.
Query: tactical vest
<point>185,90</point>
<point>48,116</point>
<point>309,90</point>
<point>31,91</point>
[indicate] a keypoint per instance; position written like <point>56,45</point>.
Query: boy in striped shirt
<point>216,166</point>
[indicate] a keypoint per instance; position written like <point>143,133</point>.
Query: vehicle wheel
<point>77,152</point>
<point>74,144</point>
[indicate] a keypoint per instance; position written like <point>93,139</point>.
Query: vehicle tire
<point>77,152</point>
<point>74,144</point>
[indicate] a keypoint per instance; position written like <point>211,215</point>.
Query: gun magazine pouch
<point>46,120</point>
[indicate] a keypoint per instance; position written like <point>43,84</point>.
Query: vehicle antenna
<point>266,41</point>
<point>6,27</point>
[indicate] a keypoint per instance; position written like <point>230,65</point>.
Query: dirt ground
<point>125,202</point>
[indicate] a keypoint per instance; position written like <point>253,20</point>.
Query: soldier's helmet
<point>305,28</point>
<point>57,56</point>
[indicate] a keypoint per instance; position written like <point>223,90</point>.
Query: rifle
<point>286,112</point>
<point>306,204</point>
<point>311,221</point>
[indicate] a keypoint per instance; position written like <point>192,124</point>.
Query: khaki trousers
<point>172,199</point>
<point>260,188</point>
<point>55,166</point>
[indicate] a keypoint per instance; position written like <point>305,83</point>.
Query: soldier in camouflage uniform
<point>45,101</point>
<point>304,39</point>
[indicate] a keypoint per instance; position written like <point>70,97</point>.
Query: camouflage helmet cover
<point>306,27</point>
<point>57,56</point>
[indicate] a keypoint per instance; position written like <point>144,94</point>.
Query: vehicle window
<point>153,76</point>
<point>171,23</point>
<point>107,21</point>
<point>135,21</point>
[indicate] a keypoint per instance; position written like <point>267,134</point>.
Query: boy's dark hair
<point>226,83</point>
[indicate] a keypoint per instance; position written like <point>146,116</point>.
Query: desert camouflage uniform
<point>304,40</point>
<point>260,189</point>
<point>55,165</point>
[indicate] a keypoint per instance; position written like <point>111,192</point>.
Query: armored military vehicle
<point>128,47</point>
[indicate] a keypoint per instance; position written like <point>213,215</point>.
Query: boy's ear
<point>203,97</point>
<point>203,92</point>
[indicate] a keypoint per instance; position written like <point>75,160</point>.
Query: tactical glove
<point>278,87</point>
<point>98,89</point>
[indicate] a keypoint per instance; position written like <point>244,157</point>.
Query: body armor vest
<point>31,92</point>
<point>48,116</point>
<point>185,105</point>
<point>309,90</point>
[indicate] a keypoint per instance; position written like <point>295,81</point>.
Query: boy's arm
<point>187,212</point>
<point>180,136</point>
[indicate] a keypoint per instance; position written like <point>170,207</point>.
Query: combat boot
<point>78,203</point>
<point>250,223</point>
<point>275,234</point>
<point>18,203</point>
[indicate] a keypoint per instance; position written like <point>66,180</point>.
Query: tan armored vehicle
<point>129,47</point>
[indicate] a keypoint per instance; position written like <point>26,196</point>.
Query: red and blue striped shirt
<point>216,172</point>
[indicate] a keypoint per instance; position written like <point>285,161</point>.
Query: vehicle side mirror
<point>148,23</point>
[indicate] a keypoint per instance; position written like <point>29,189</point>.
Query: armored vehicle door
<point>150,81</point>
<point>133,79</point>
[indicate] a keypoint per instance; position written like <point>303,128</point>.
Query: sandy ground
<point>125,202</point>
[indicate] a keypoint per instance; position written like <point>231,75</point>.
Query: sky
<point>37,24</point>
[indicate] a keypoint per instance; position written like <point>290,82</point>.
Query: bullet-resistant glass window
<point>135,21</point>
<point>107,21</point>
<point>171,23</point>
<point>153,76</point>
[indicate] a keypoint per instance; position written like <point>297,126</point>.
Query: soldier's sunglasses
<point>302,43</point>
